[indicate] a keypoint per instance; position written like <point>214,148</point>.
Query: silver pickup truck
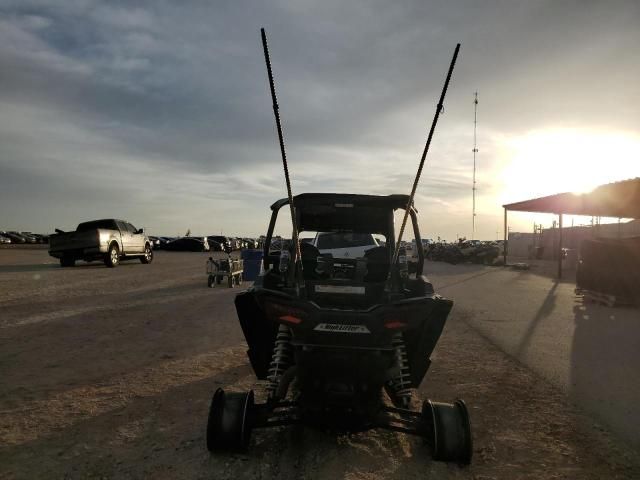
<point>109,240</point>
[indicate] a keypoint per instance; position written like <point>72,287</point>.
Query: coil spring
<point>401,385</point>
<point>280,360</point>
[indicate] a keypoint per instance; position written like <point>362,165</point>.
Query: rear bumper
<point>79,253</point>
<point>365,334</point>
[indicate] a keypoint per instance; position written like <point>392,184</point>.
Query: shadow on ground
<point>604,364</point>
<point>28,268</point>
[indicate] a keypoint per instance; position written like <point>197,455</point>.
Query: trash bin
<point>252,260</point>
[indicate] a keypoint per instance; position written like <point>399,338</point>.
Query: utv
<point>342,343</point>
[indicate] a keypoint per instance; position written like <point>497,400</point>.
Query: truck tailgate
<point>74,241</point>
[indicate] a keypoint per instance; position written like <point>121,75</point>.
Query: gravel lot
<point>107,373</point>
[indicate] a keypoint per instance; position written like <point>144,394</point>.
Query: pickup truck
<point>344,244</point>
<point>108,240</point>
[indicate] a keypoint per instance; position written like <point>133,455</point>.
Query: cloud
<point>170,100</point>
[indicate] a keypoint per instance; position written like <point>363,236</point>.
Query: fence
<point>526,244</point>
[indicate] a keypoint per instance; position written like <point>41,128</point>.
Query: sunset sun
<point>565,160</point>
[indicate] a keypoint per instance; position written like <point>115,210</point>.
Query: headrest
<point>308,250</point>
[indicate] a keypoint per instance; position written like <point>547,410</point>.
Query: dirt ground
<point>108,373</point>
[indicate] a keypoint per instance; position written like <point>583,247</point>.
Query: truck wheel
<point>148,255</point>
<point>113,256</point>
<point>67,261</point>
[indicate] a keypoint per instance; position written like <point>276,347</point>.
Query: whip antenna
<point>424,153</point>
<point>281,139</point>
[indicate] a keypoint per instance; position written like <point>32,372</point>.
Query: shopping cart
<point>228,270</point>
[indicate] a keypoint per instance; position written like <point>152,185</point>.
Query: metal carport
<point>618,199</point>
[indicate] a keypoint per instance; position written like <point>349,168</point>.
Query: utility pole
<point>475,151</point>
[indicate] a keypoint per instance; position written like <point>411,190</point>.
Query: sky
<point>159,112</point>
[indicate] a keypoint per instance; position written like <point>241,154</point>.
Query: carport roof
<point>618,199</point>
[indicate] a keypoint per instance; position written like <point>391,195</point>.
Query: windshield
<point>344,240</point>
<point>110,224</point>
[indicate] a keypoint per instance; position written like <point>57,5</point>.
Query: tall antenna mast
<point>475,150</point>
<point>439,109</point>
<point>276,113</point>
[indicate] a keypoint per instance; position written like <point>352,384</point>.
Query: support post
<point>560,246</point>
<point>619,228</point>
<point>506,239</point>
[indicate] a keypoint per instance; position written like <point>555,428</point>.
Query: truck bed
<point>75,242</point>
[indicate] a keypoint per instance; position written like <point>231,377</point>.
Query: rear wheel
<point>449,431</point>
<point>148,255</point>
<point>67,261</point>
<point>230,421</point>
<point>113,256</point>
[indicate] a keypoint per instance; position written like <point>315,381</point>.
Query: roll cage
<point>347,212</point>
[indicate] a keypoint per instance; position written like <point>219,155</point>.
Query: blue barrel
<point>252,260</point>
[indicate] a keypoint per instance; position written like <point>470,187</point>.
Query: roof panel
<point>618,199</point>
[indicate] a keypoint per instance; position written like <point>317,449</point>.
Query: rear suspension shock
<point>401,385</point>
<point>280,360</point>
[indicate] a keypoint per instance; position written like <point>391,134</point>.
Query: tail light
<point>397,318</point>
<point>392,324</point>
<point>281,313</point>
<point>290,319</point>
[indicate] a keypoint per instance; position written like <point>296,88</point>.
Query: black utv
<point>341,343</point>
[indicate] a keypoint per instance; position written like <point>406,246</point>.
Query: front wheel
<point>113,256</point>
<point>148,255</point>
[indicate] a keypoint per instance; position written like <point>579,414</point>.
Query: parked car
<point>4,238</point>
<point>188,244</point>
<point>251,243</point>
<point>165,240</point>
<point>109,240</point>
<point>41,238</point>
<point>27,238</point>
<point>16,237</point>
<point>224,241</point>
<point>344,244</point>
<point>31,238</point>
<point>214,246</point>
<point>155,242</point>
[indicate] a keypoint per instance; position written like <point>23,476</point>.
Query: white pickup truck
<point>108,240</point>
<point>344,244</point>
